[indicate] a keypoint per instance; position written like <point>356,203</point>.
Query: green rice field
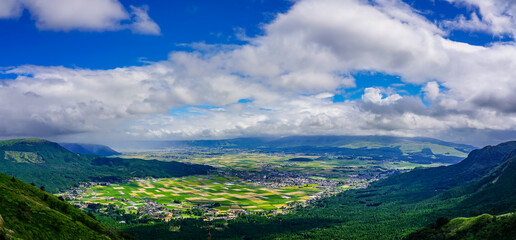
<point>183,193</point>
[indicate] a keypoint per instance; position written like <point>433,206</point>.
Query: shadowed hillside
<point>92,149</point>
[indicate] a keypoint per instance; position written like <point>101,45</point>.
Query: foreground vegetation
<point>485,226</point>
<point>27,212</point>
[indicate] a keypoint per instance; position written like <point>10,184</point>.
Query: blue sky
<point>180,22</point>
<point>112,69</point>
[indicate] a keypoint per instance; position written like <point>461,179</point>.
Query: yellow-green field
<point>231,193</point>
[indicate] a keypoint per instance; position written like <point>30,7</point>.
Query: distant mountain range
<point>47,163</point>
<point>420,150</point>
<point>91,149</point>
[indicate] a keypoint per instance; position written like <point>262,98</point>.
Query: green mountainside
<point>26,212</point>
<point>485,226</point>
<point>48,164</point>
<point>388,209</point>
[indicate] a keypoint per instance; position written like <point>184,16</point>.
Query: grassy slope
<point>29,213</point>
<point>484,226</point>
<point>58,169</point>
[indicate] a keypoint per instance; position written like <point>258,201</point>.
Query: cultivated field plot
<point>183,193</point>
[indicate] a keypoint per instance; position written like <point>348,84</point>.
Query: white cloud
<point>374,95</point>
<point>84,15</point>
<point>142,23</point>
<point>76,14</point>
<point>496,16</point>
<point>431,90</point>
<point>305,56</point>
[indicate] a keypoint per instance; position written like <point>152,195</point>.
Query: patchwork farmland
<point>244,183</point>
<point>225,196</point>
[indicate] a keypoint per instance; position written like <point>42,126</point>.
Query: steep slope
<point>484,227</point>
<point>92,149</point>
<point>420,184</point>
<point>494,193</point>
<point>48,164</point>
<point>27,212</point>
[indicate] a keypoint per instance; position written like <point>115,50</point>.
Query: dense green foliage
<point>481,227</point>
<point>26,212</point>
<point>388,209</point>
<point>48,164</point>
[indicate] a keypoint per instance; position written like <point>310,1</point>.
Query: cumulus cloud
<point>431,90</point>
<point>374,95</point>
<point>84,15</point>
<point>495,16</point>
<point>306,56</point>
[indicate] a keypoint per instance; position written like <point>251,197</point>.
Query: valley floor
<point>245,183</point>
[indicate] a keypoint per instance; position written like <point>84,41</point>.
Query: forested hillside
<point>26,212</point>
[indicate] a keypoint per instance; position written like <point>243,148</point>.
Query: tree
<point>440,222</point>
